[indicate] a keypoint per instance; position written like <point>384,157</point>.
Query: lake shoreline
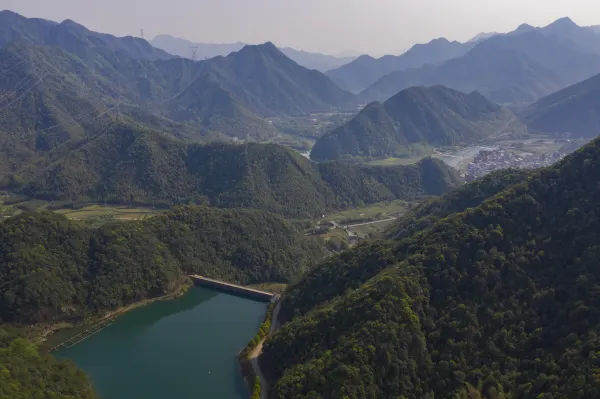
<point>43,337</point>
<point>196,339</point>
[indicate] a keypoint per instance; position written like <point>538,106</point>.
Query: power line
<point>101,111</point>
<point>17,86</point>
<point>22,95</point>
<point>194,51</point>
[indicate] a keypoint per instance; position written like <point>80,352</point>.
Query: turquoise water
<point>180,349</point>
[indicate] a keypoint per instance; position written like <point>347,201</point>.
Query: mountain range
<point>366,70</point>
<point>513,68</point>
<point>59,80</point>
<point>520,66</point>
<point>183,48</point>
<point>72,37</point>
<point>429,116</point>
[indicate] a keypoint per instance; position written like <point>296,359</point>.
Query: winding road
<point>264,385</point>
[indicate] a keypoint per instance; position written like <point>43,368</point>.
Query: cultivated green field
<point>93,212</point>
<point>382,210</point>
<point>372,230</point>
<point>396,161</point>
<point>112,212</point>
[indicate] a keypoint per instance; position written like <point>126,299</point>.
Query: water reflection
<point>185,348</point>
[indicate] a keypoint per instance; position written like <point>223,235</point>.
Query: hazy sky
<point>331,26</point>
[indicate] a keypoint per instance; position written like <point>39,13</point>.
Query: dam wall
<point>233,288</point>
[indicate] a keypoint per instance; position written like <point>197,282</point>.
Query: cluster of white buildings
<point>489,161</point>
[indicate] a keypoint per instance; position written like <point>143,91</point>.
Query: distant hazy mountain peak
<point>12,13</point>
<point>73,24</point>
<point>365,57</point>
<point>482,36</point>
<point>365,71</point>
<point>564,22</point>
<point>267,48</point>
<point>268,45</point>
<point>524,28</point>
<point>181,47</point>
<point>439,40</point>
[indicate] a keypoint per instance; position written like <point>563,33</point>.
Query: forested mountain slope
<point>72,37</point>
<point>57,80</point>
<point>458,200</point>
<point>26,373</point>
<point>501,300</point>
<point>50,96</point>
<point>87,270</point>
<point>42,108</point>
<point>271,83</point>
<point>435,116</point>
<point>574,110</point>
<point>132,164</point>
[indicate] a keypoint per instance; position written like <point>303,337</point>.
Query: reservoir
<point>179,349</point>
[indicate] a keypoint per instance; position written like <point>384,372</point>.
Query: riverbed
<point>180,349</point>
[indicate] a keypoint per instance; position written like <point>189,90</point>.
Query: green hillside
<point>435,116</point>
<point>51,96</point>
<point>56,109</point>
<point>574,110</point>
<point>486,303</point>
<point>26,373</point>
<point>129,164</point>
<point>80,274</point>
<point>270,83</point>
<point>467,196</point>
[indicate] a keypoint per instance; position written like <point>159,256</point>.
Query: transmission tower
<point>194,51</point>
<point>142,33</point>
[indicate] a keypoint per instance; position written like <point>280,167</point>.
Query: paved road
<point>376,221</point>
<point>264,385</point>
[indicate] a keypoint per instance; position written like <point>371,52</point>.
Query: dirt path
<point>264,385</point>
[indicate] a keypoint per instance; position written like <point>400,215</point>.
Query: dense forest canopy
<point>467,196</point>
<point>25,373</point>
<point>53,269</point>
<point>499,300</point>
<point>132,164</point>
